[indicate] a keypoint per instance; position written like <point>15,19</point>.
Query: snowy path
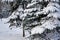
<point>7,34</point>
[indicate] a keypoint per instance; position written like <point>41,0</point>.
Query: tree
<point>39,17</point>
<point>47,17</point>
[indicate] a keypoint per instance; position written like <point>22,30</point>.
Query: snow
<point>37,30</point>
<point>16,12</point>
<point>54,0</point>
<point>7,0</point>
<point>54,4</point>
<point>31,4</point>
<point>33,1</point>
<point>20,8</point>
<point>40,0</point>
<point>51,24</point>
<point>30,10</point>
<point>50,8</point>
<point>7,34</point>
<point>13,16</point>
<point>53,10</point>
<point>46,0</point>
<point>53,36</point>
<point>16,33</point>
<point>55,15</point>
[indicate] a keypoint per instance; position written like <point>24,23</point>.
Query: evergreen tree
<point>39,17</point>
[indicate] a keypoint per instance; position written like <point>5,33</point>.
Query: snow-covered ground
<point>7,34</point>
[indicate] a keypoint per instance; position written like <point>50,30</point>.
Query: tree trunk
<point>23,32</point>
